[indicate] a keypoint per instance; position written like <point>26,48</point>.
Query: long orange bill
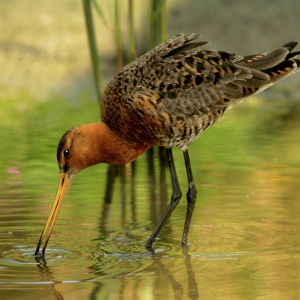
<point>64,184</point>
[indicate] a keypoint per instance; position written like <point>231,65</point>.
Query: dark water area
<point>245,233</point>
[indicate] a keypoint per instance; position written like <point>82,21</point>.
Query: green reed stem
<point>118,35</point>
<point>132,50</point>
<point>93,48</point>
<point>157,22</point>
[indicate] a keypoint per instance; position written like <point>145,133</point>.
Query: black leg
<point>174,199</point>
<point>190,196</point>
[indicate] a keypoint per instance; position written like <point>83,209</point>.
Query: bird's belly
<point>182,142</point>
<point>183,132</point>
<point>180,132</point>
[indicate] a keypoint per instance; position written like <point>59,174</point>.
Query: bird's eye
<point>66,153</point>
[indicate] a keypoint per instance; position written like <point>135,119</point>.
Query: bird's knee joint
<point>191,194</point>
<point>176,196</point>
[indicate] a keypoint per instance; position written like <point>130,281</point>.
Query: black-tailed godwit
<point>167,97</point>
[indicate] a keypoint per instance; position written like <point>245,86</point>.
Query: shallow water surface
<point>244,237</point>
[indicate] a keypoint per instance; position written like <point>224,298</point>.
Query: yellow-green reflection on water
<point>244,237</point>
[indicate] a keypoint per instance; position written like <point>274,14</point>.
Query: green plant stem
<point>118,35</point>
<point>93,48</point>
<point>132,50</point>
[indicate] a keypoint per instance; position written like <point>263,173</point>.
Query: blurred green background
<point>246,166</point>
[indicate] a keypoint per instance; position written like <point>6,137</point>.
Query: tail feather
<point>265,60</point>
<point>289,65</point>
<point>282,70</point>
<point>290,46</point>
<point>276,64</point>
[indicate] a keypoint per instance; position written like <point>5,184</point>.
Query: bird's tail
<point>278,63</point>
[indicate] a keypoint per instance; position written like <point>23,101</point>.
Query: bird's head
<point>79,148</point>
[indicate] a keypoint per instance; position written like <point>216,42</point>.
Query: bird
<point>167,97</point>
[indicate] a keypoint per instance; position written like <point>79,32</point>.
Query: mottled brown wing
<point>195,82</point>
<point>174,66</point>
<point>121,88</point>
<point>176,91</point>
<point>192,82</point>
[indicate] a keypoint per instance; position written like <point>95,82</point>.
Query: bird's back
<point>171,94</point>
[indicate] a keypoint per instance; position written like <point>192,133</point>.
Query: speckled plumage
<point>171,94</point>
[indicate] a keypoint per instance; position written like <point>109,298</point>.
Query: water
<point>244,238</point>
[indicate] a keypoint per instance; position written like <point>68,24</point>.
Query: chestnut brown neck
<point>104,146</point>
